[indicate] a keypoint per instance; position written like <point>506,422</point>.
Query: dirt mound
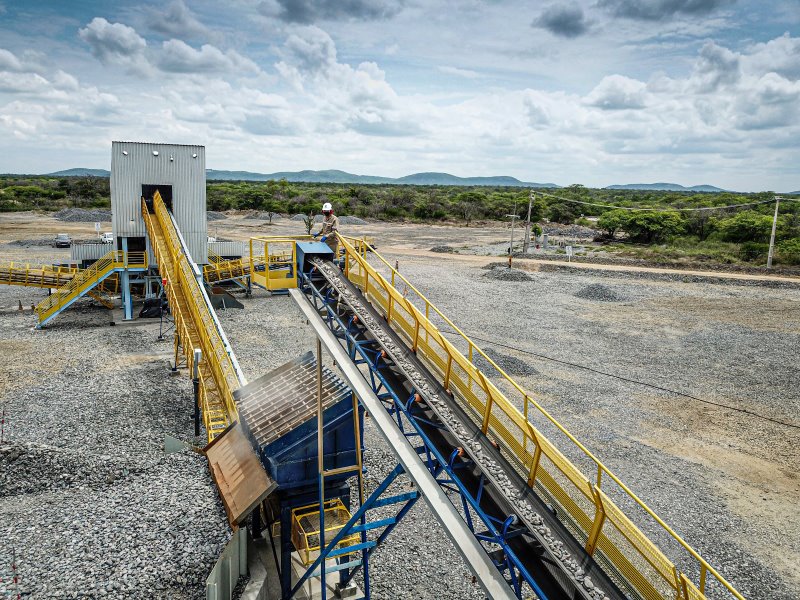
<point>599,293</point>
<point>82,215</point>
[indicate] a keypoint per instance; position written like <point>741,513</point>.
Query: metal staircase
<point>86,282</point>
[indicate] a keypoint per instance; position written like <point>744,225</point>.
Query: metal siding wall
<point>185,174</point>
<point>230,248</point>
<point>81,252</point>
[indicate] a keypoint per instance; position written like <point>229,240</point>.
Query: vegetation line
<point>621,378</point>
<point>770,201</point>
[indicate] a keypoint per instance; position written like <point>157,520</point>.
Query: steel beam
<point>443,510</point>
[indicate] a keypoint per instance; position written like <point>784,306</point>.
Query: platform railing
<point>28,274</point>
<point>583,502</point>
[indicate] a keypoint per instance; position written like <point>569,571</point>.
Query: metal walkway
<point>196,324</point>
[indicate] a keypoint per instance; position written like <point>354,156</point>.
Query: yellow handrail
<point>496,414</point>
<point>178,272</point>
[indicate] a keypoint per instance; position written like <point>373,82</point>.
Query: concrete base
<point>265,583</point>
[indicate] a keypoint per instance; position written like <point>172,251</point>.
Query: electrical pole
<point>527,242</point>
<point>772,237</point>
<point>514,218</point>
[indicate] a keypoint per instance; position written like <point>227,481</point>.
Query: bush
<point>754,251</point>
<point>789,252</point>
<point>746,226</point>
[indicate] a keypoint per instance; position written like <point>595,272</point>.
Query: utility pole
<point>527,242</point>
<point>514,218</point>
<point>772,237</point>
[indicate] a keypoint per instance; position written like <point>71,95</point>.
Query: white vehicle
<point>107,237</point>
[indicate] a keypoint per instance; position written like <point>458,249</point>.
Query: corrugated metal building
<point>230,249</point>
<point>178,172</point>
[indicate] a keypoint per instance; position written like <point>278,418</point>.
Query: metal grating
<point>285,398</point>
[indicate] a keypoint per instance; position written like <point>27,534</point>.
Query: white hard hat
<point>327,206</point>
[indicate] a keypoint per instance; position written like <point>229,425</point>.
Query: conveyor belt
<point>559,563</point>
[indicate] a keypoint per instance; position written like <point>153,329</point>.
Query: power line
<point>668,209</point>
<point>627,379</point>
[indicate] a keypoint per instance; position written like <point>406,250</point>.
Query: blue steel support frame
<point>358,524</point>
<point>499,528</point>
<point>125,285</point>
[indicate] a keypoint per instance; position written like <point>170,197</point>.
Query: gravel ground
<point>88,500</point>
<point>598,291</point>
<point>723,479</point>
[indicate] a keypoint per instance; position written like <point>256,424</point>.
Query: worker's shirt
<point>330,224</point>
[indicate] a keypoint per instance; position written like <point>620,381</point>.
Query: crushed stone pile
<point>82,215</point>
<point>509,364</point>
<point>506,274</point>
<point>213,215</point>
<point>443,249</point>
<point>597,291</point>
<point>299,217</point>
<point>351,220</point>
<point>262,215</point>
<point>30,243</point>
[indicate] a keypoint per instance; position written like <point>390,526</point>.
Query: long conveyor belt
<point>543,550</point>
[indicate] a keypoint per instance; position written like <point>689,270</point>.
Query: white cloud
<point>115,43</point>
<point>465,73</point>
<point>617,92</point>
<point>179,57</point>
<point>9,62</point>
<point>176,20</point>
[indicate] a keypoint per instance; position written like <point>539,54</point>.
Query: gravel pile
<point>89,502</point>
<point>351,220</point>
<point>262,216</point>
<point>32,243</point>
<point>571,231</point>
<point>213,215</point>
<point>298,217</point>
<point>599,292</point>
<point>506,274</point>
<point>443,249</point>
<point>82,215</point>
<point>510,364</point>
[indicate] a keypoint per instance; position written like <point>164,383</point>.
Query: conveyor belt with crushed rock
<point>556,560</point>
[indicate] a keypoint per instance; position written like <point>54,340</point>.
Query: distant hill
<point>81,172</point>
<point>334,176</point>
<point>667,187</point>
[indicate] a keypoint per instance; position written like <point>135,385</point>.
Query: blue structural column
<point>125,284</point>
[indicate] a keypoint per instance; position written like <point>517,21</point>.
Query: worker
<point>330,227</point>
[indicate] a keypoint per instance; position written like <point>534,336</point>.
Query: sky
<point>595,92</point>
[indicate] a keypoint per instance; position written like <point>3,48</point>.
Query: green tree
<point>561,212</point>
<point>746,226</point>
<point>613,221</point>
<point>653,226</point>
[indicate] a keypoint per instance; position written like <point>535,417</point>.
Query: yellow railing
<point>88,278</point>
<point>278,255</point>
<point>33,275</point>
<point>185,295</point>
<point>584,505</point>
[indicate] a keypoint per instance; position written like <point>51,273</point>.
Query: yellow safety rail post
<point>85,280</point>
<point>194,324</point>
<point>583,501</point>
